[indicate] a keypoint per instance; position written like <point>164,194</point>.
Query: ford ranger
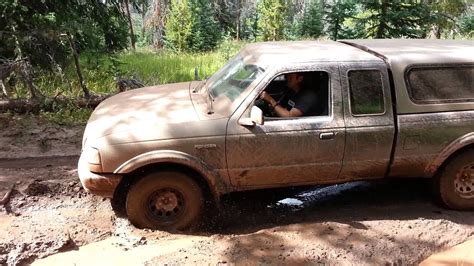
<point>379,109</point>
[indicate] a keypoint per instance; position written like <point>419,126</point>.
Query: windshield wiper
<point>210,100</point>
<point>203,83</point>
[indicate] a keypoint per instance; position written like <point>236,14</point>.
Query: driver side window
<point>296,94</point>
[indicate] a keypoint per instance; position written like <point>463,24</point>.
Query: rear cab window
<point>366,92</point>
<point>431,84</point>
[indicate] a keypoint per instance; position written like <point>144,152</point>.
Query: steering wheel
<point>265,107</point>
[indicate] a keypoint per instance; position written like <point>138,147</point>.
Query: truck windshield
<point>231,80</point>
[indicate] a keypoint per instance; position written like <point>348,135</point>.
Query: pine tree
<point>249,22</point>
<point>205,31</point>
<point>335,15</point>
<point>312,25</point>
<point>178,26</point>
<point>466,25</point>
<point>272,15</point>
<point>395,19</point>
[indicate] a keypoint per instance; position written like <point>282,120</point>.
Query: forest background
<point>57,56</point>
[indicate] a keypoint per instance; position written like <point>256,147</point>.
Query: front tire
<point>165,200</point>
<point>456,182</point>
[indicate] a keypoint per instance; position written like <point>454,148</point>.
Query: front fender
<point>176,157</point>
<point>448,151</point>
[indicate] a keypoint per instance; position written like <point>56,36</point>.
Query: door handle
<point>327,135</point>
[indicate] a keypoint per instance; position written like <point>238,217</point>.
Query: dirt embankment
<point>49,219</point>
<point>30,137</point>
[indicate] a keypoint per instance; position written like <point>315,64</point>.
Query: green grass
<point>165,67</point>
<point>151,67</point>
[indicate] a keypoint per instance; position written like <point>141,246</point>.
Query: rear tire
<point>455,183</point>
<point>165,200</point>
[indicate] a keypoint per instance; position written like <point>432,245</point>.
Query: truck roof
<point>270,53</point>
<point>400,53</point>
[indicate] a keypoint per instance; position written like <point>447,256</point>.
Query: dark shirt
<point>304,100</point>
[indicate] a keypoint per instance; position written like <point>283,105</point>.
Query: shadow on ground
<point>350,203</point>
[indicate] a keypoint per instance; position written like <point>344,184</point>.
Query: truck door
<point>283,151</point>
<point>369,120</point>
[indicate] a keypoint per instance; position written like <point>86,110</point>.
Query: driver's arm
<point>280,110</point>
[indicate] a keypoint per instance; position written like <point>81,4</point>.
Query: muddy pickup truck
<point>371,109</point>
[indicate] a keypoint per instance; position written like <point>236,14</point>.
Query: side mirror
<point>256,118</point>
<point>256,114</point>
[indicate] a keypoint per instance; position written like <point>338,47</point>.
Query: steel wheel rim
<point>166,204</point>
<point>464,182</point>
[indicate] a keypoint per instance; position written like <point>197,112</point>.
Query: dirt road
<point>357,223</point>
<point>51,220</point>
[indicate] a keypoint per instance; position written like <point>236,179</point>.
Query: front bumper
<point>99,184</point>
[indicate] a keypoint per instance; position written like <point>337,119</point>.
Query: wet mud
<point>394,221</point>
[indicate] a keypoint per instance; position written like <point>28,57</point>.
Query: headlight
<point>93,159</point>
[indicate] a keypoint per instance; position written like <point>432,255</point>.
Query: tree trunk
<point>25,71</point>
<point>435,31</point>
<point>156,21</point>
<point>87,94</point>
<point>143,19</point>
<point>335,33</point>
<point>132,35</point>
<point>27,76</point>
<point>382,24</point>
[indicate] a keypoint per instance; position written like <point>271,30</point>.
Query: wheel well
<point>452,156</point>
<point>120,194</point>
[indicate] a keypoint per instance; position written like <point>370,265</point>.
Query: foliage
<point>101,71</point>
<point>227,14</point>
<point>229,47</point>
<point>35,29</point>
<point>396,19</point>
<point>191,26</point>
<point>205,32</point>
<point>444,14</point>
<point>67,115</point>
<point>179,25</point>
<point>335,16</point>
<point>312,25</point>
<point>249,23</point>
<point>272,16</point>
<point>466,25</point>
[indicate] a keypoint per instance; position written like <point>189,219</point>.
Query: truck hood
<point>142,109</point>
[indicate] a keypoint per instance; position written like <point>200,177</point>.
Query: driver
<point>299,101</point>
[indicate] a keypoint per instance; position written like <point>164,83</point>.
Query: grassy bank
<point>101,71</point>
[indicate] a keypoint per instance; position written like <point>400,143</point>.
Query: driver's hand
<point>266,97</point>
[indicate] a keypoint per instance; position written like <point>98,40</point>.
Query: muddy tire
<point>165,200</point>
<point>455,183</point>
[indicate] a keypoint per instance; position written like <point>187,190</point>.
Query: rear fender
<point>449,150</point>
